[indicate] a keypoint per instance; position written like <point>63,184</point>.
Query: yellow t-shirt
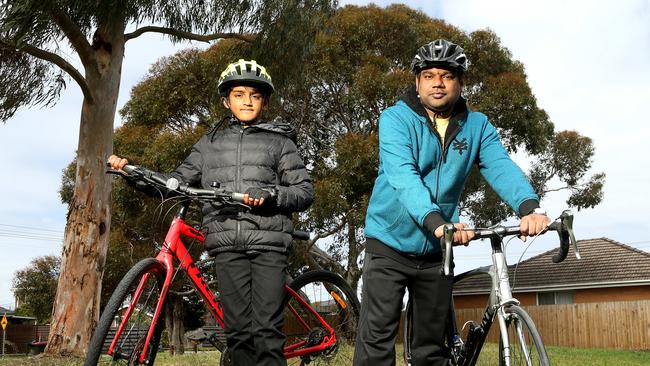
<point>441,125</point>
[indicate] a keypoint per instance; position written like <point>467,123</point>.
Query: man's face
<point>245,103</point>
<point>439,89</point>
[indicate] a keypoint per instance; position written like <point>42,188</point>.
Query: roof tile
<point>603,261</point>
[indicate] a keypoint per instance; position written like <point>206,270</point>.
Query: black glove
<point>261,193</point>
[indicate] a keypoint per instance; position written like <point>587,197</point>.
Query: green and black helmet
<point>440,53</point>
<point>247,73</point>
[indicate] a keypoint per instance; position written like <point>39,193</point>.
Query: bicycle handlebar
<point>173,185</point>
<point>564,228</point>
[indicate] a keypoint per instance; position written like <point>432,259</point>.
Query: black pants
<point>384,281</point>
<point>252,292</point>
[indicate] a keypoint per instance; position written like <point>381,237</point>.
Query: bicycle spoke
<point>134,313</point>
<point>526,347</point>
<point>523,342</point>
<point>333,302</point>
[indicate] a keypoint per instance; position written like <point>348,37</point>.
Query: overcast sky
<point>588,64</point>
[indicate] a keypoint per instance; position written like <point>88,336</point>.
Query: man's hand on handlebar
<point>533,224</point>
<point>461,237</point>
<point>116,162</point>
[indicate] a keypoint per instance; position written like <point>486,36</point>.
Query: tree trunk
<point>174,323</point>
<point>353,274</point>
<point>76,306</point>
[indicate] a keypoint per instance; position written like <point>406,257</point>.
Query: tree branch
<point>55,59</point>
<point>327,233</point>
<point>188,35</point>
<point>75,36</point>
<point>558,189</point>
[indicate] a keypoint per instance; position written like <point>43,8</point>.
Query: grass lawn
<point>560,356</point>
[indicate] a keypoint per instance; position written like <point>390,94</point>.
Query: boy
<point>250,247</point>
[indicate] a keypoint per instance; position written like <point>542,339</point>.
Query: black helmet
<point>246,72</point>
<point>440,52</point>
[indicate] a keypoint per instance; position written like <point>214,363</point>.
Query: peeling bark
<point>76,306</point>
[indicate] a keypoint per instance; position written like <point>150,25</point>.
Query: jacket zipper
<point>444,147</point>
<point>448,142</point>
<point>435,132</point>
<point>238,182</point>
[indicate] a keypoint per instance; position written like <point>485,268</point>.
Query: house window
<point>555,298</point>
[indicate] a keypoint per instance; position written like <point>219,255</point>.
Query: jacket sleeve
<point>400,166</point>
<point>295,191</point>
<point>190,169</point>
<point>503,175</point>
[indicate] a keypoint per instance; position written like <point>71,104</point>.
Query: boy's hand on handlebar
<point>461,237</point>
<point>257,197</point>
<point>533,224</point>
<point>116,162</point>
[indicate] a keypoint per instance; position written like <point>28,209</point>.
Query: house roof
<point>604,263</point>
<point>10,314</point>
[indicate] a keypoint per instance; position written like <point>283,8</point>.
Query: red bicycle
<point>321,311</point>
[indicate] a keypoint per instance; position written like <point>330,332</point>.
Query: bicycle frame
<point>173,247</point>
<point>500,297</point>
<point>501,304</point>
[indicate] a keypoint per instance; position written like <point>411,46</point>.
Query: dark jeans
<point>385,279</point>
<point>252,291</point>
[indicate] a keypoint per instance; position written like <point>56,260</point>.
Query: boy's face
<point>245,103</point>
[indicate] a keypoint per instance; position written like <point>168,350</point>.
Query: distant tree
<point>35,286</point>
<point>33,70</point>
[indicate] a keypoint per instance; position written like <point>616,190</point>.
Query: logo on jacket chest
<point>459,146</point>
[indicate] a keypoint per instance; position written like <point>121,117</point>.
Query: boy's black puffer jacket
<point>262,155</point>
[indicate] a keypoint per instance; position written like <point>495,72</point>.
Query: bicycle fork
<point>503,298</point>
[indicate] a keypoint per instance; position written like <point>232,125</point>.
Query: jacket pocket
<point>395,221</point>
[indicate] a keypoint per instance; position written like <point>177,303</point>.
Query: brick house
<point>609,271</point>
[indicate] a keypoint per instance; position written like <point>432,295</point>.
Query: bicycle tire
<point>526,346</point>
<point>331,296</point>
<point>127,353</point>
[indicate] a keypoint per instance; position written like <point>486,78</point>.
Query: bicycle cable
<point>514,275</point>
<point>187,253</point>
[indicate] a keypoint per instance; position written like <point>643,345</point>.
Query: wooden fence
<point>615,325</point>
<point>17,338</point>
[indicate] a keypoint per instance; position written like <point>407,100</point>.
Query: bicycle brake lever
<point>567,222</point>
<point>115,172</point>
<point>565,231</point>
<point>447,241</point>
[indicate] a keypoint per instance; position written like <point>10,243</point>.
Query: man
<point>428,143</point>
<point>250,247</point>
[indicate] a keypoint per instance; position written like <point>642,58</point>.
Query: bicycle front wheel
<point>337,304</point>
<point>526,346</point>
<point>149,275</point>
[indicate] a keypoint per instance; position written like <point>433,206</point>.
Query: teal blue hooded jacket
<point>420,182</point>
